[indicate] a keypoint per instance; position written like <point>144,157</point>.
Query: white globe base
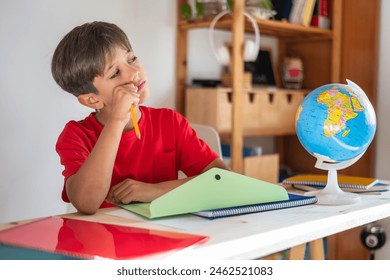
<point>336,199</point>
<point>332,194</point>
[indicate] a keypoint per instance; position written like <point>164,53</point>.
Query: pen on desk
<point>135,122</point>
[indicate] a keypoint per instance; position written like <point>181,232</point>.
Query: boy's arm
<point>134,191</point>
<point>88,188</point>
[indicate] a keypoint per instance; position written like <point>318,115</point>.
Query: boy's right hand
<point>122,98</point>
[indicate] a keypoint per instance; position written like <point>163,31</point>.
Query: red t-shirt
<point>168,144</point>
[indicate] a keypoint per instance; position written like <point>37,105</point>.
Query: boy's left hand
<point>131,190</point>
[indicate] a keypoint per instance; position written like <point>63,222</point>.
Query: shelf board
<point>275,28</point>
<point>260,132</point>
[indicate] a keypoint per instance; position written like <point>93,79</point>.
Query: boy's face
<point>123,69</point>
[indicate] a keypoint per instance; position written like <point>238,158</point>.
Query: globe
<point>336,123</point>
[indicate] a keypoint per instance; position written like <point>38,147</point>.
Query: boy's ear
<point>90,100</point>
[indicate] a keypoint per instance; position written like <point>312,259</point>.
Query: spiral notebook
<point>375,189</point>
<point>350,182</point>
<point>294,200</point>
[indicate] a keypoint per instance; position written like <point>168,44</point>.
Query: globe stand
<point>307,123</point>
<point>332,194</point>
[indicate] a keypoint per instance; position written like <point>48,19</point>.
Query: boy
<point>103,159</point>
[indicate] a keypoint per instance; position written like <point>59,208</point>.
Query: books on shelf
<point>321,14</point>
<point>309,182</point>
<point>296,11</point>
<point>305,12</point>
<point>56,237</point>
<point>294,200</point>
<point>282,8</point>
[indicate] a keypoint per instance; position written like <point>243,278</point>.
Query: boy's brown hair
<point>81,55</point>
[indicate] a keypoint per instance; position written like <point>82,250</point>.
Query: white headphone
<point>251,48</point>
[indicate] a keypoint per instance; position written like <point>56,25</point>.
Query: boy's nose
<point>132,73</point>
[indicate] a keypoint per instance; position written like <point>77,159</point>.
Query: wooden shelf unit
<point>291,37</point>
<point>267,27</point>
<point>348,50</point>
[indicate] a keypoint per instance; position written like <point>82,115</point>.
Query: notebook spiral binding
<point>248,209</point>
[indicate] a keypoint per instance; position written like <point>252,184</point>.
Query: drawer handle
<point>250,94</point>
<point>289,97</point>
<point>251,97</point>
<point>229,96</point>
<point>270,97</point>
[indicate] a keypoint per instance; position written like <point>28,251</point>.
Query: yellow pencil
<point>135,123</point>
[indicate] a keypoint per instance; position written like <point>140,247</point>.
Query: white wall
<point>33,109</point>
<point>383,112</point>
<point>383,115</point>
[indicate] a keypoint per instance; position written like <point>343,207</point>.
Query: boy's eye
<point>115,74</point>
<point>132,59</point>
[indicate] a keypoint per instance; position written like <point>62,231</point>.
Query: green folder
<point>216,188</point>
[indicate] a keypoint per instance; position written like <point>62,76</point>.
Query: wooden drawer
<point>265,111</point>
<point>265,167</point>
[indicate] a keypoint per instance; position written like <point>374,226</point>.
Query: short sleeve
<point>73,147</point>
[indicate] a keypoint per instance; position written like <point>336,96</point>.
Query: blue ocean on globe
<point>336,121</point>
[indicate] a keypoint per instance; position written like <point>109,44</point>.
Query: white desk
<point>258,235</point>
